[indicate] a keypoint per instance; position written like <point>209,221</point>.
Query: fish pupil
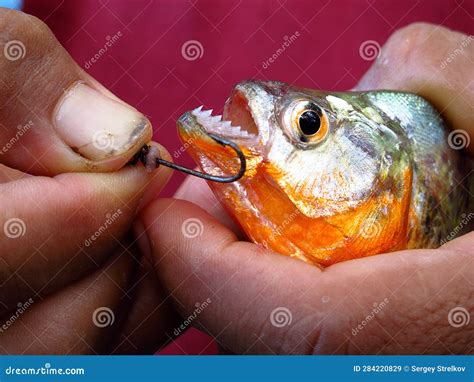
<point>310,122</point>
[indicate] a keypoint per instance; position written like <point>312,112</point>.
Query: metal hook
<point>141,156</point>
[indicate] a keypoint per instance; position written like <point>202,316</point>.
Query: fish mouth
<point>237,124</point>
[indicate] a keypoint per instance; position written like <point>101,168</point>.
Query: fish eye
<point>309,123</point>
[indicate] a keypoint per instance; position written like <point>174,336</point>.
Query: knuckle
<point>442,319</point>
<point>19,25</point>
<point>33,66</point>
<point>409,42</point>
<point>412,46</point>
<point>414,30</point>
<point>421,42</point>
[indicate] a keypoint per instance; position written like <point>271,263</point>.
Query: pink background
<point>146,68</point>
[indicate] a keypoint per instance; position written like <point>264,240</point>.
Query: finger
<point>56,230</point>
<point>197,191</point>
<point>80,319</point>
<point>158,180</point>
<point>433,62</point>
<point>250,271</point>
<point>54,117</point>
<point>150,319</point>
<point>265,303</point>
<point>8,174</point>
<point>461,244</point>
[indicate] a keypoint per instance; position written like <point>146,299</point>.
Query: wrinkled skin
<point>62,199</point>
<point>246,283</point>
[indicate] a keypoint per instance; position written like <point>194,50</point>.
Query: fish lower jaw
<point>216,125</point>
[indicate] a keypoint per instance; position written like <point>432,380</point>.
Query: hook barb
<point>141,156</point>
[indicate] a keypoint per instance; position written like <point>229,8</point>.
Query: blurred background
<point>166,57</point>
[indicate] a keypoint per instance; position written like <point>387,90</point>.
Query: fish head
<point>246,121</point>
<point>319,166</point>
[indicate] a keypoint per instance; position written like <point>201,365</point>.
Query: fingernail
<point>96,126</point>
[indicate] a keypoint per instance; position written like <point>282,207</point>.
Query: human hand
<point>71,279</point>
<point>406,302</point>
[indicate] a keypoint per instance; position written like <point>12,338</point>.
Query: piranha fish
<point>333,176</point>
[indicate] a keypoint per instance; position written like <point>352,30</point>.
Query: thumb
<point>230,287</point>
<point>54,117</point>
<point>436,63</point>
<point>255,301</point>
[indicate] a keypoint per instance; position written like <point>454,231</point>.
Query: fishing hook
<point>141,156</point>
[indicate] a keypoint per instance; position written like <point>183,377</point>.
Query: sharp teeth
<point>216,120</point>
<point>216,124</point>
<point>226,124</point>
